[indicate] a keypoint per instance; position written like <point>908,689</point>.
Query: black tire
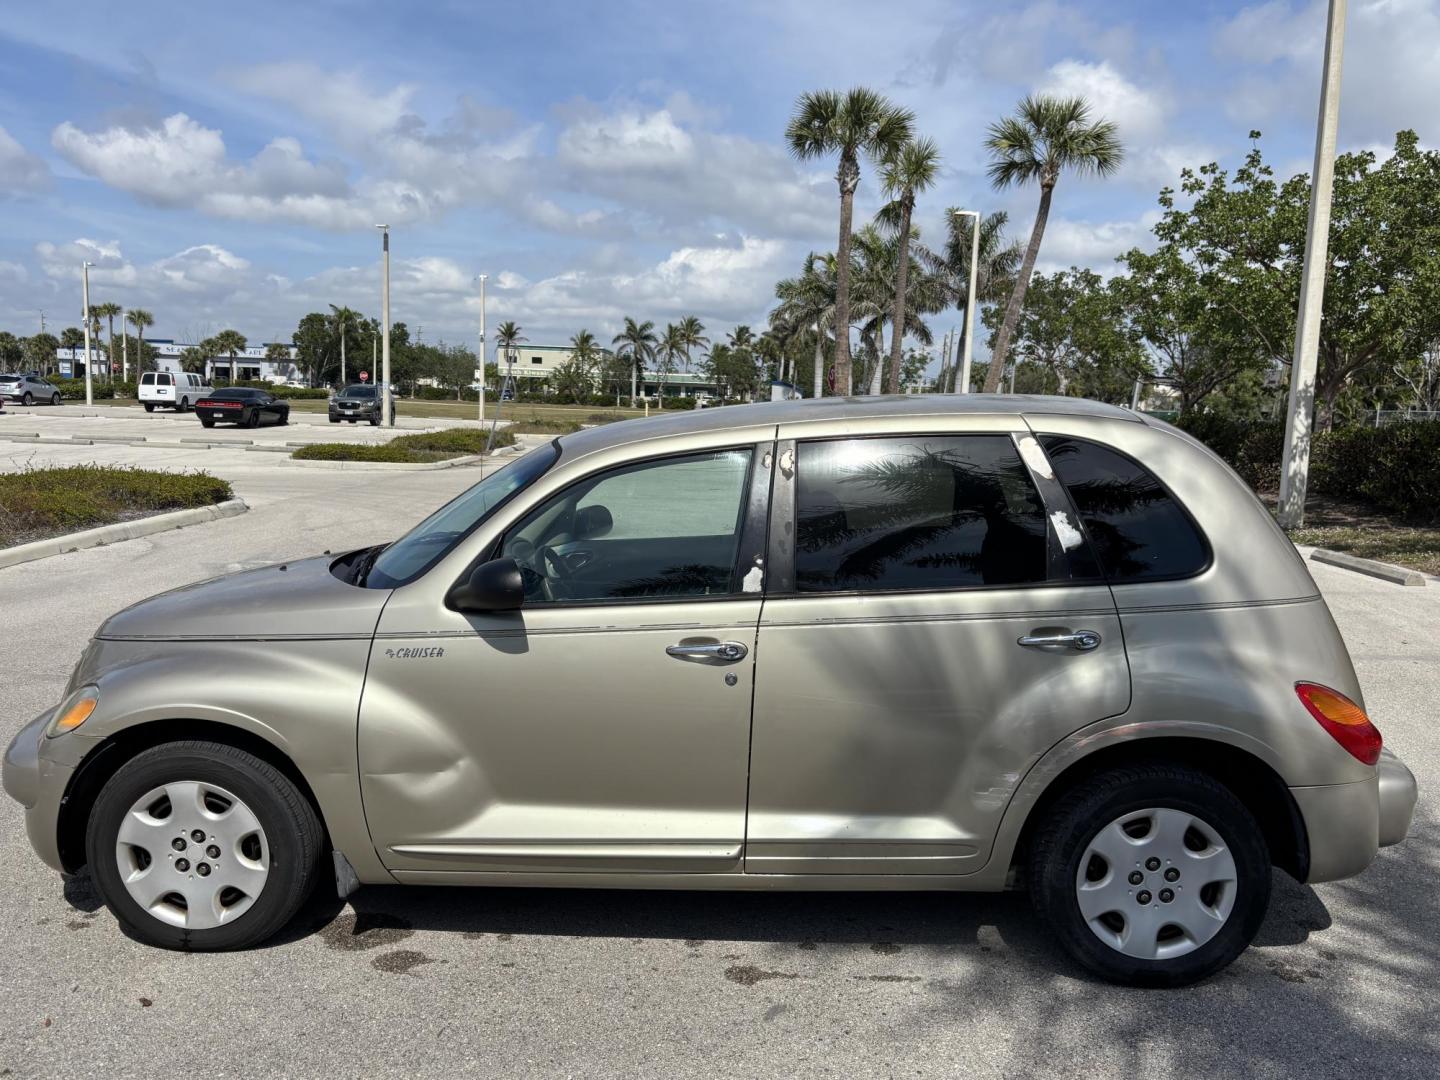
<point>1078,817</point>
<point>54,399</point>
<point>184,405</point>
<point>292,830</point>
<point>375,421</point>
<point>28,399</point>
<point>149,406</point>
<point>254,419</point>
<point>285,418</point>
<point>207,423</point>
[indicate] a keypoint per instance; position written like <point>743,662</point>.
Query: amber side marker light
<point>1343,719</point>
<point>74,716</point>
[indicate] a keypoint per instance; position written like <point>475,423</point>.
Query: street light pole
<point>85,289</point>
<point>387,409</point>
<point>124,350</point>
<point>484,345</point>
<point>962,384</point>
<point>342,351</point>
<point>1295,464</point>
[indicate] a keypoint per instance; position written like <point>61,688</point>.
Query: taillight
<point>1343,719</point>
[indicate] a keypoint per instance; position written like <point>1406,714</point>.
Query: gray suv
<point>28,389</point>
<point>943,643</point>
<point>356,403</point>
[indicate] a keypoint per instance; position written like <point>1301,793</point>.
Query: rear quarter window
<point>1139,531</point>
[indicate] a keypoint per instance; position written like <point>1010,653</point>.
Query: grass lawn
<point>44,502</point>
<point>1359,529</point>
<point>460,410</point>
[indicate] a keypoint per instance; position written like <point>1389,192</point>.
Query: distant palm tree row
<point>883,273</point>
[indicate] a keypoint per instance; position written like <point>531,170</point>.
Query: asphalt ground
<point>1344,979</point>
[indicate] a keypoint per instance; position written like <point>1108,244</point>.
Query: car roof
<point>835,408</point>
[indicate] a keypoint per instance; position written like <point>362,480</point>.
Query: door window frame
<point>751,531</point>
<point>1061,569</point>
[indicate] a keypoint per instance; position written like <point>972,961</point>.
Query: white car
<point>178,390</point>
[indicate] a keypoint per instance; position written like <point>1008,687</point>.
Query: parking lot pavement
<point>1344,980</point>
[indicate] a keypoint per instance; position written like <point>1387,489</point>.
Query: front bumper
<point>1347,823</point>
<point>39,783</point>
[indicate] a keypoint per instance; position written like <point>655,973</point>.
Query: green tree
<point>574,379</point>
<point>637,344</point>
<point>140,319</point>
<point>508,335</point>
<point>670,349</point>
<point>108,311</point>
<point>12,351</point>
<point>1047,136</point>
<point>228,343</point>
<point>692,332</point>
<point>994,271</point>
<point>197,357</point>
<point>807,306</point>
<point>39,352</point>
<point>72,337</point>
<point>907,172</point>
<point>857,122</point>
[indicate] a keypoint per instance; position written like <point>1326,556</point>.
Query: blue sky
<point>223,165</point>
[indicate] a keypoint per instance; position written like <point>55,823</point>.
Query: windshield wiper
<point>363,567</point>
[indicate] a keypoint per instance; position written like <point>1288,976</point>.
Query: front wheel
<point>200,845</point>
<point>54,399</point>
<point>1151,875</point>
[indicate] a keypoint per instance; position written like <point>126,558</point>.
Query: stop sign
<point>364,375</point>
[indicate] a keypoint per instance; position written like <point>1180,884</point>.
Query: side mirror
<point>492,586</point>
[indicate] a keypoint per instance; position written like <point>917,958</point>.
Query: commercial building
<point>536,363</point>
<point>250,364</point>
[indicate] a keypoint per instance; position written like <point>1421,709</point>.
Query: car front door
<point>936,624</point>
<point>605,725</point>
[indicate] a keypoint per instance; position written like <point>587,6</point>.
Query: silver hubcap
<point>1156,884</point>
<point>192,854</point>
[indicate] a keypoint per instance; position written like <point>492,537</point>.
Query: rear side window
<point>162,379</point>
<point>920,512</point>
<point>1139,531</point>
<point>148,379</point>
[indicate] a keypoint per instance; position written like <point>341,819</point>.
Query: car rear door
<point>936,623</point>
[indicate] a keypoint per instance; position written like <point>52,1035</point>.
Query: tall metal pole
<point>1295,465</point>
<point>482,347</point>
<point>962,384</point>
<point>124,350</point>
<point>342,352</point>
<point>387,410</point>
<point>85,290</point>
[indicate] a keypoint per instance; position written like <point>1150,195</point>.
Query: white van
<point>177,389</point>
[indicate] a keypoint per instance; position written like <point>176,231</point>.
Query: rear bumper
<point>1347,823</point>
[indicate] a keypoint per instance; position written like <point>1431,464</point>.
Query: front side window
<point>1137,528</point>
<point>434,538</point>
<point>666,529</point>
<point>919,512</point>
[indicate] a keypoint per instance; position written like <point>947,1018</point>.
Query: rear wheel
<point>149,406</point>
<point>27,399</point>
<point>207,423</point>
<point>254,419</point>
<point>184,405</point>
<point>1151,875</point>
<point>199,845</point>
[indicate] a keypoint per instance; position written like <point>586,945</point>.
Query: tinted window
<point>162,379</point>
<point>358,392</point>
<point>241,393</point>
<point>667,528</point>
<point>921,512</point>
<point>1137,529</point>
<point>148,379</point>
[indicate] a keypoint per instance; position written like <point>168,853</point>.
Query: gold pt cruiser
<point>966,643</point>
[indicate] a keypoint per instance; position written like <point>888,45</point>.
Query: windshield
<point>358,392</point>
<point>434,538</point>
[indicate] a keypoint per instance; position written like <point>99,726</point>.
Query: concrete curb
<point>123,530</point>
<point>1398,575</point>
<point>391,466</point>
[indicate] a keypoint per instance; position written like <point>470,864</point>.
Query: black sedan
<point>241,405</point>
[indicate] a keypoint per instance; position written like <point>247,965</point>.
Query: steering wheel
<point>557,573</point>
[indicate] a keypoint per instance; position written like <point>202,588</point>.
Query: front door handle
<point>726,652</point>
<point>1080,640</point>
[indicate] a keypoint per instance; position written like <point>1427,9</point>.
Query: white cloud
<point>1094,244</point>
<point>20,170</point>
<point>1137,113</point>
<point>62,262</point>
<point>342,102</point>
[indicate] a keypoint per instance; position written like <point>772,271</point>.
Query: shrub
<point>49,501</point>
<point>419,447</point>
<point>1396,467</point>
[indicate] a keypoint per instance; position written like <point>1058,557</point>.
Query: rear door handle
<point>1080,640</point>
<point>726,652</point>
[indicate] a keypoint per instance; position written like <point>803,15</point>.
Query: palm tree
<point>108,311</point>
<point>507,336</point>
<point>342,320</point>
<point>1046,136</point>
<point>140,319</point>
<point>999,257</point>
<point>807,303</point>
<point>858,121</point>
<point>637,344</point>
<point>693,331</point>
<point>672,348</point>
<point>876,276</point>
<point>229,342</point>
<point>908,172</point>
